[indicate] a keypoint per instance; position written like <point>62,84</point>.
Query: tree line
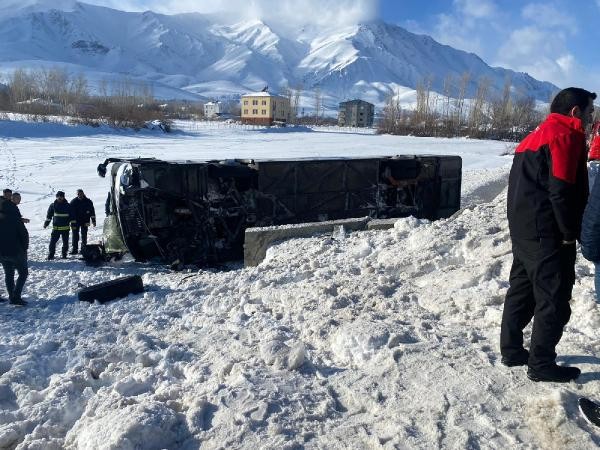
<point>507,116</point>
<point>119,103</point>
<point>127,103</point>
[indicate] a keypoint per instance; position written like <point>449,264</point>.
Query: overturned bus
<point>197,212</point>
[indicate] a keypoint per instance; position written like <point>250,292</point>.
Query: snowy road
<point>383,339</point>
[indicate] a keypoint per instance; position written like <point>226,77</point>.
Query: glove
<point>46,223</point>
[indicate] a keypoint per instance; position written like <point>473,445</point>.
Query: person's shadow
<point>573,360</point>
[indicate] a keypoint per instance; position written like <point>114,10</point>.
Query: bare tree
<point>422,118</point>
<point>391,115</point>
<point>318,103</point>
<point>103,87</point>
<point>478,109</point>
<point>295,105</point>
<point>22,86</point>
<point>446,110</point>
<point>78,89</point>
<point>501,112</point>
<point>459,106</point>
<point>524,117</point>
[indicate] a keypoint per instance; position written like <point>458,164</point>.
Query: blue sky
<point>551,40</point>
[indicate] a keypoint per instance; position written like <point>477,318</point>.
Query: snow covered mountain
<point>196,55</point>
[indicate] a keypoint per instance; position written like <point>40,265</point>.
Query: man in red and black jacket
<point>547,194</point>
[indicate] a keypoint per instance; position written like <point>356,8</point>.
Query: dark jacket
<point>83,211</point>
<point>590,228</point>
<point>548,182</point>
<point>14,238</point>
<point>60,214</point>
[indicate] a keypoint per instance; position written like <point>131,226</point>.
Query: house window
<point>245,102</point>
<point>254,102</point>
<point>255,111</point>
<point>264,112</point>
<point>264,102</point>
<point>245,111</point>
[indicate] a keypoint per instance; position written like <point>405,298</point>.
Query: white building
<point>212,109</point>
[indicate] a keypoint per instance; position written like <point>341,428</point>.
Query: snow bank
<point>359,340</point>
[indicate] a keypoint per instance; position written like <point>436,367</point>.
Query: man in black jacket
<point>83,214</point>
<point>16,199</point>
<point>547,193</point>
<point>14,241</point>
<point>59,212</point>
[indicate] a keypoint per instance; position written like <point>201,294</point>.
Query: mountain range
<point>200,56</point>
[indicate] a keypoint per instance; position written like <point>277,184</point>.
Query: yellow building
<point>264,108</point>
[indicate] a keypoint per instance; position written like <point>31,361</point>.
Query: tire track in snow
<point>477,192</point>
<point>8,167</point>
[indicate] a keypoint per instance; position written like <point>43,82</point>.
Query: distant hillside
<point>203,56</point>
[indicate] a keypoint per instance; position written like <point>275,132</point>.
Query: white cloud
<point>415,26</point>
<point>539,39</point>
<point>567,63</point>
<point>319,12</point>
<point>467,25</point>
<point>539,52</point>
<point>548,16</point>
<point>541,48</point>
<point>536,41</point>
<point>477,9</point>
<point>452,31</point>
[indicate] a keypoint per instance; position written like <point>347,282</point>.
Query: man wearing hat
<point>14,242</point>
<point>84,214</point>
<point>59,212</point>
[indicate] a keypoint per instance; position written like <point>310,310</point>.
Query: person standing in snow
<point>59,212</point>
<point>83,212</point>
<point>16,199</point>
<point>590,228</point>
<point>7,194</point>
<point>14,241</point>
<point>594,154</point>
<point>547,193</point>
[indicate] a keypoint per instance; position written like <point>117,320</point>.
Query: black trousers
<point>10,264</point>
<point>84,231</point>
<point>541,283</point>
<point>57,234</point>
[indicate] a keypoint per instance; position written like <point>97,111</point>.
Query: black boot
<point>50,257</point>
<point>17,301</point>
<point>555,373</point>
<point>518,360</point>
<point>74,251</point>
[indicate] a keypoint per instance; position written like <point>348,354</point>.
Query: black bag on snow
<point>113,289</point>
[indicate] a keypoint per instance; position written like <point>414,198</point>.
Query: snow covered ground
<point>382,339</point>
